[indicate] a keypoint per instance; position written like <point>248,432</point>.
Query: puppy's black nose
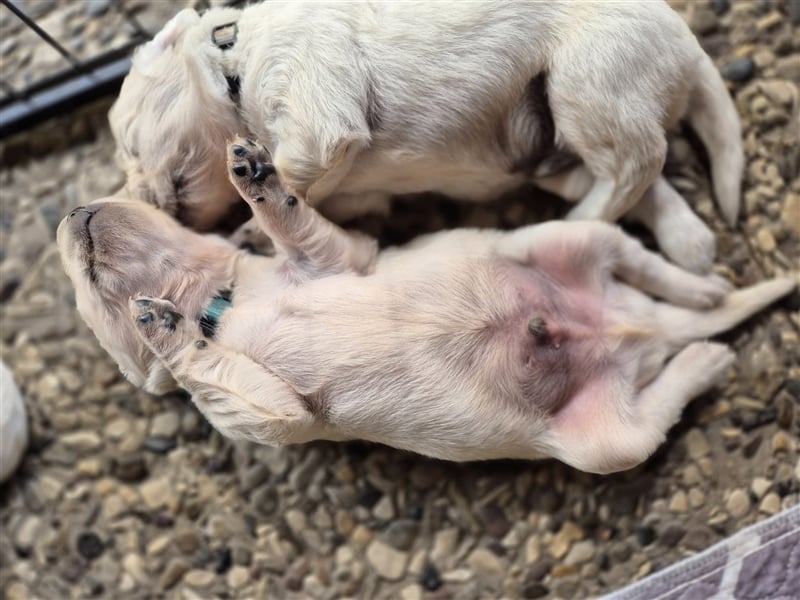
<point>82,209</point>
<point>262,171</point>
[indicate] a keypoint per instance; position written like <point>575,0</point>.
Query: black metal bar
<point>44,35</point>
<point>63,97</point>
<point>64,75</point>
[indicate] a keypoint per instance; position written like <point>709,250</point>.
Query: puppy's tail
<point>683,325</point>
<point>713,116</point>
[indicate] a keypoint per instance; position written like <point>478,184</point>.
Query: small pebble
<point>158,444</point>
<point>739,69</point>
<point>671,536</point>
<point>759,486</point>
<point>386,561</point>
<point>645,535</point>
<point>696,444</point>
<point>430,578</point>
<point>696,498</point>
<point>781,442</point>
<point>198,578</point>
<point>738,503</point>
<point>175,569</point>
<point>485,562</point>
<point>238,577</point>
<point>222,560</point>
<point>771,504</point>
<point>90,546</point>
<point>401,534</point>
<point>720,7</point>
<point>679,502</point>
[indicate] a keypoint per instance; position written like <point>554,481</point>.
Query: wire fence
<point>75,52</point>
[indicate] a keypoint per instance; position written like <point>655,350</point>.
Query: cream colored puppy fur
<point>360,100</point>
<point>463,345</point>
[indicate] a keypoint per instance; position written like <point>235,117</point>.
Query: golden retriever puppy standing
<point>360,100</point>
<point>463,345</point>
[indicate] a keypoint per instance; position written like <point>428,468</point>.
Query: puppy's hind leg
<point>315,246</point>
<point>680,233</point>
<point>604,429</point>
<point>240,397</point>
<point>620,138</point>
<point>591,251</point>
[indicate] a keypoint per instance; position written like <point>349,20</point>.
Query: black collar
<point>224,37</point>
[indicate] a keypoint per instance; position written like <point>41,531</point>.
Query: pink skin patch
<point>557,342</point>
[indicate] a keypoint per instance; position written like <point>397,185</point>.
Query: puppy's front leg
<point>314,244</point>
<point>240,398</point>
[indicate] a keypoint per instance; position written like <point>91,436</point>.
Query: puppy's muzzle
<point>83,213</point>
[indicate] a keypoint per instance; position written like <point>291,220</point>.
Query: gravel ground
<point>126,495</point>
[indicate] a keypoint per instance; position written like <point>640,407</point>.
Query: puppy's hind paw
<point>710,291</point>
<point>692,248</point>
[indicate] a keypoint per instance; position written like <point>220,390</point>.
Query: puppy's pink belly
<point>554,338</point>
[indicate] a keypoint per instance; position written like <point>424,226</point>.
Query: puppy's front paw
<point>157,321</point>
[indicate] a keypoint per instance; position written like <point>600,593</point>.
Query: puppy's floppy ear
<point>167,38</point>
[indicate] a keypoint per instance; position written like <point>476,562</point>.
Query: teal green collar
<point>210,318</point>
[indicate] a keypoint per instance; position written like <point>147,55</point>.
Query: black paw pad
<point>171,319</point>
<point>262,170</point>
<point>240,170</point>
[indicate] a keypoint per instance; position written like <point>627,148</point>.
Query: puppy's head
<point>114,249</point>
<point>172,118</point>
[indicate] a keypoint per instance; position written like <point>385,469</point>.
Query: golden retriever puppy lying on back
<point>463,345</point>
<point>361,100</point>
